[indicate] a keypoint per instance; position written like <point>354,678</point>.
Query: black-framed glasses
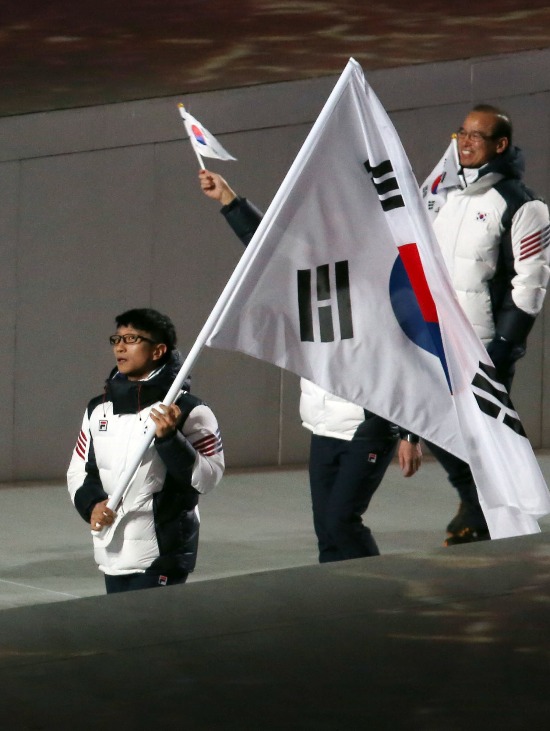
<point>475,136</point>
<point>130,339</point>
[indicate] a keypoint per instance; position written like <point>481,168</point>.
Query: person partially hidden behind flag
<point>494,234</point>
<point>156,533</point>
<point>351,448</point>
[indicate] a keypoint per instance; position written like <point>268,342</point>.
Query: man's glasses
<point>129,339</point>
<point>475,136</point>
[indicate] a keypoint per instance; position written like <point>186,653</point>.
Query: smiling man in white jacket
<point>494,234</point>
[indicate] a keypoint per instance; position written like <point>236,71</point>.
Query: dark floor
<point>422,638</point>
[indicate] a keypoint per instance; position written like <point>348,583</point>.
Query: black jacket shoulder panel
<point>515,194</point>
<point>187,402</point>
<point>93,403</point>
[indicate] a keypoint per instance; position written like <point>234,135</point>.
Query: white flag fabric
<point>344,284</point>
<point>202,141</point>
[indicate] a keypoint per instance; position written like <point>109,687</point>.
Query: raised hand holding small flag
<point>202,141</point>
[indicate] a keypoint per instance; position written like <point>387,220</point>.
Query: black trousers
<point>132,582</point>
<point>344,476</point>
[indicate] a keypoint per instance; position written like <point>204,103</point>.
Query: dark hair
<point>503,123</point>
<point>159,326</point>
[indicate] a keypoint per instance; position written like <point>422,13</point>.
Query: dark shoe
<point>457,523</point>
<point>467,535</point>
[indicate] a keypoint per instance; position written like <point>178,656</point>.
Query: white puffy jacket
<point>157,524</point>
<point>327,415</point>
<point>494,236</point>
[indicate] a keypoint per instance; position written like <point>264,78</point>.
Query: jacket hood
<point>510,164</point>
<point>130,397</point>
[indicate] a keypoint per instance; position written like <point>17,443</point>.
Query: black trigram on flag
<point>325,300</point>
<point>494,402</point>
<point>386,185</point>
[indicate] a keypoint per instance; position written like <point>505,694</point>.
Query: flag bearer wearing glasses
<point>494,234</point>
<point>156,527</point>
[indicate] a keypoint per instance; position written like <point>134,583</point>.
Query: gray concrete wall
<point>101,211</point>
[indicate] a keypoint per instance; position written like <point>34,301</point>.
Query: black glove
<point>504,354</point>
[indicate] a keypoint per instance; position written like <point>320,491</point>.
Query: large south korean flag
<point>344,284</point>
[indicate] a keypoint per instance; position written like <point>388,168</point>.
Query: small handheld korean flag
<point>447,174</point>
<point>202,142</point>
